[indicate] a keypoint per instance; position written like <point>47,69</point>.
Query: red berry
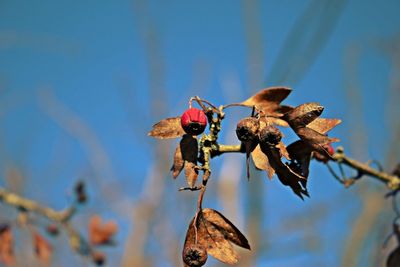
<point>194,121</point>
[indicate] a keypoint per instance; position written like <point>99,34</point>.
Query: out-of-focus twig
<point>392,181</point>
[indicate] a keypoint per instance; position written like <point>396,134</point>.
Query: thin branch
<point>392,181</point>
<point>76,240</point>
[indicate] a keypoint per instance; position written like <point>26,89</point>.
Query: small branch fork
<point>61,218</point>
<point>391,181</point>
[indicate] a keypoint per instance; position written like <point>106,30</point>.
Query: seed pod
<point>193,121</point>
<point>194,255</point>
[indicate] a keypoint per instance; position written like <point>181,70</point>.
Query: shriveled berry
<point>247,129</point>
<point>194,255</point>
<point>270,135</point>
<point>194,121</point>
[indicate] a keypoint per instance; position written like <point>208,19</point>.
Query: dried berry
<point>247,132</point>
<point>194,255</point>
<point>270,135</point>
<point>247,129</point>
<point>194,121</point>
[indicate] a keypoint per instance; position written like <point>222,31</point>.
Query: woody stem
<point>392,181</point>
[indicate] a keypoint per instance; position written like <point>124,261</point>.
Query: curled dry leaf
<point>268,100</point>
<point>323,125</point>
<point>261,161</point>
<point>185,153</point>
<point>6,245</point>
<point>215,233</point>
<point>191,173</point>
<point>43,249</point>
<point>300,152</point>
<point>285,174</point>
<point>167,128</point>
<point>178,164</point>
<point>304,114</point>
<point>315,140</point>
<point>101,233</point>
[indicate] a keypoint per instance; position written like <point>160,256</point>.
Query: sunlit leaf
<point>323,125</point>
<point>304,114</point>
<point>261,161</point>
<point>178,164</point>
<point>268,100</point>
<point>167,128</point>
<point>191,173</point>
<point>215,233</point>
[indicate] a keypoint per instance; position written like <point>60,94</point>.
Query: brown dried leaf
<point>167,128</point>
<point>6,245</point>
<point>227,228</point>
<point>285,174</point>
<point>315,140</point>
<point>323,125</point>
<point>268,100</point>
<point>43,249</point>
<point>214,233</point>
<point>282,150</point>
<point>261,161</point>
<point>101,233</point>
<point>189,148</point>
<point>300,155</point>
<point>302,115</point>
<point>272,120</point>
<point>177,166</point>
<point>191,173</point>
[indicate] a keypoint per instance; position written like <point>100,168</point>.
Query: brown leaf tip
<point>194,255</point>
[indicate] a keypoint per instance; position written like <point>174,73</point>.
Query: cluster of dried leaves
<point>210,232</point>
<point>99,234</point>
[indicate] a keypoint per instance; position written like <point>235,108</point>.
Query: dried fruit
<point>194,121</point>
<point>247,132</point>
<point>194,255</point>
<point>213,232</point>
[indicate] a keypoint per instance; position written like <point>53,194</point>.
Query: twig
<point>392,181</point>
<point>76,241</point>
